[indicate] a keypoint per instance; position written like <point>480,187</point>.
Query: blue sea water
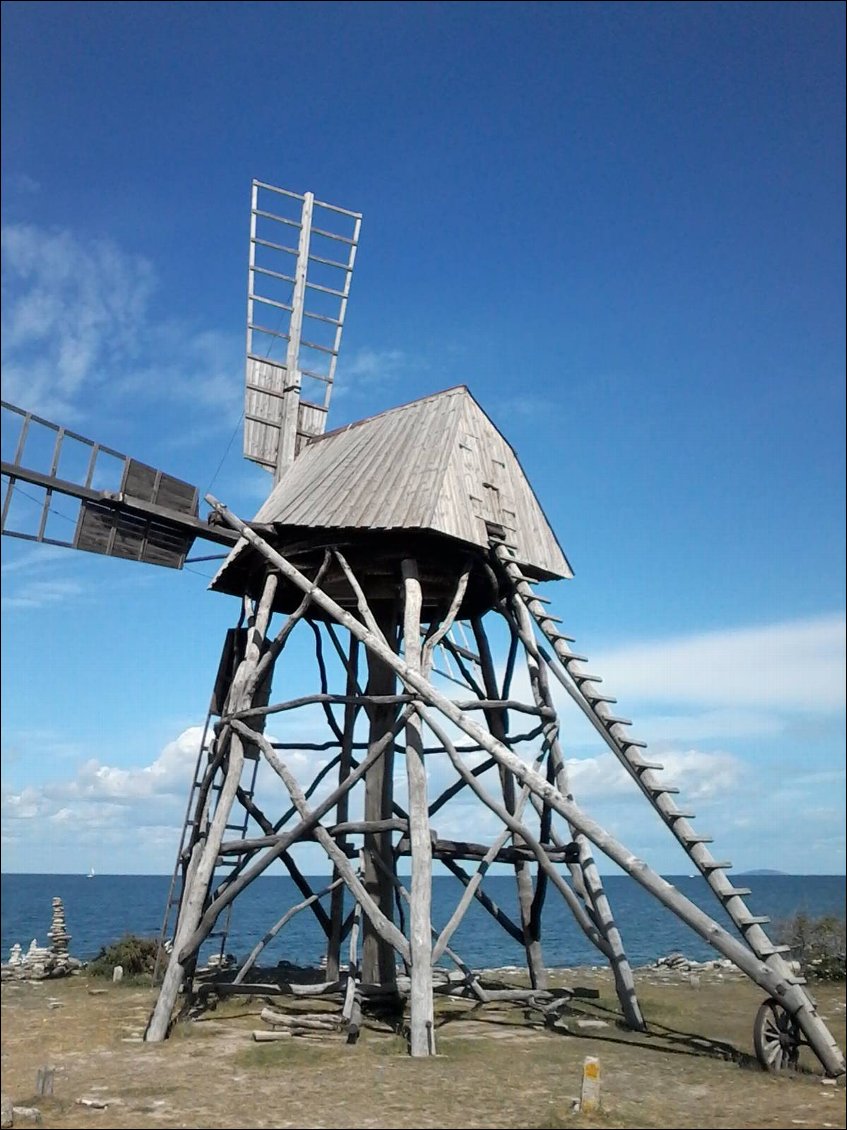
<point>101,909</point>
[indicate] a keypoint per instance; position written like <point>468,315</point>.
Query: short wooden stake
<point>44,1081</point>
<point>590,1096</point>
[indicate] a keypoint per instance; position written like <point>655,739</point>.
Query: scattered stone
<point>97,992</point>
<point>118,973</point>
<point>30,1113</point>
<point>93,1104</point>
<point>592,1023</point>
<point>6,1111</point>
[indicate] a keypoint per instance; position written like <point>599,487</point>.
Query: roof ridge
<point>387,412</point>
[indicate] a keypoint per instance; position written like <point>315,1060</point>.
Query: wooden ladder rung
<point>771,948</point>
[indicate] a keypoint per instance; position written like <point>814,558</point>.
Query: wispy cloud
<point>794,665</point>
<point>37,594</point>
<point>367,369</point>
<point>77,319</point>
<point>72,313</point>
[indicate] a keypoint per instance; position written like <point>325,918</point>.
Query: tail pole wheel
<point>777,1037</point>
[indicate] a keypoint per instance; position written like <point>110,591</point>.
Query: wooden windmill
<point>401,547</point>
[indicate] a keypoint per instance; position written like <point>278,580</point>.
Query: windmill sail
<point>113,504</point>
<point>302,253</point>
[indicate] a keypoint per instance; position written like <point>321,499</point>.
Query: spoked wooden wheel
<point>777,1037</point>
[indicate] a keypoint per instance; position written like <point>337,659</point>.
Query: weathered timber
<point>295,834</point>
<point>382,926</point>
<point>351,711</point>
<point>583,920</point>
<point>278,925</point>
<point>468,976</point>
<point>484,899</point>
<point>243,687</point>
<point>784,989</point>
<point>421,1038</point>
<point>494,852</point>
<point>461,849</point>
<point>597,901</point>
<point>378,960</point>
<point>321,1023</point>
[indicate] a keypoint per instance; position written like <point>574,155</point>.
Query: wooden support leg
<point>378,958</point>
<point>244,686</point>
<point>422,1037</point>
<point>336,909</point>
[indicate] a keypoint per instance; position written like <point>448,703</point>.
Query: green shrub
<point>136,955</point>
<point>818,944</point>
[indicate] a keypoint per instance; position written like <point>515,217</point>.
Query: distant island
<point>761,871</point>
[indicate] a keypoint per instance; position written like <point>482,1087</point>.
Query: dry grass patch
<point>496,1067</point>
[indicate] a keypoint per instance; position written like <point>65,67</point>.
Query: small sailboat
<point>90,874</point>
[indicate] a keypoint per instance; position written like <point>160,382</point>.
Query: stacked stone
<point>38,961</point>
<point>58,932</point>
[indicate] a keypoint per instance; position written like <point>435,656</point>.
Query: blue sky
<point>622,225</point>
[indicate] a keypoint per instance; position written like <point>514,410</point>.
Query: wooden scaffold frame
<point>403,708</point>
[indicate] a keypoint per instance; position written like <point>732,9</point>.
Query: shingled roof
<point>437,464</point>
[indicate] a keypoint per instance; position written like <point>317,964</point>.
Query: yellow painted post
<point>590,1097</point>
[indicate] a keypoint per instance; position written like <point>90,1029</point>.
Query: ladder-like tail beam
<point>582,686</point>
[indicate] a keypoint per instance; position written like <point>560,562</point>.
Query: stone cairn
<point>58,931</point>
<point>41,962</point>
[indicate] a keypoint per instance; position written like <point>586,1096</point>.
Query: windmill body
<point>403,549</point>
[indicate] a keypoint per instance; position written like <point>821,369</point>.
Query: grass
<point>496,1067</point>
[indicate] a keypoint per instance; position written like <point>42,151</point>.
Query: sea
<point>100,909</point>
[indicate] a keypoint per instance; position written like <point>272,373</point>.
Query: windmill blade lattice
<point>302,253</point>
<point>118,506</point>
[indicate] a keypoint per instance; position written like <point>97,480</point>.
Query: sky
<point>621,225</point>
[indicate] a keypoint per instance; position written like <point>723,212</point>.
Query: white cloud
<point>72,314</point>
<point>795,665</point>
<point>37,594</point>
<point>367,369</point>
<point>77,319</point>
<point>696,773</point>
